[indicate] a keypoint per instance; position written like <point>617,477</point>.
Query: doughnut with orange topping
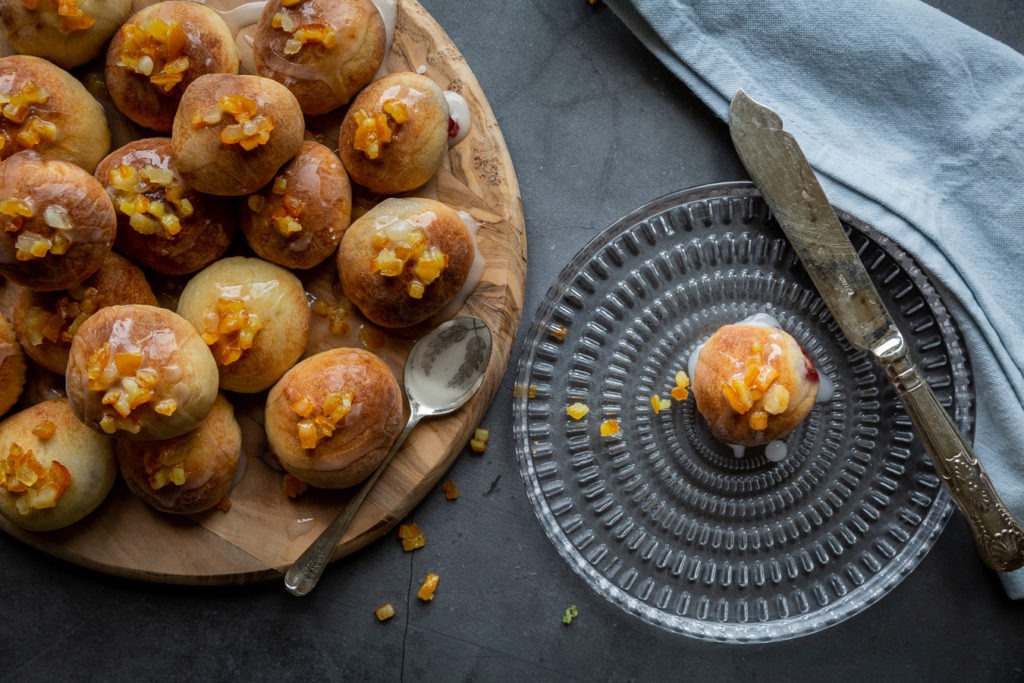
<point>53,469</point>
<point>69,33</point>
<point>163,224</point>
<point>232,133</point>
<point>46,322</point>
<point>140,372</point>
<point>395,133</point>
<point>190,473</point>
<point>57,223</point>
<point>753,383</point>
<point>158,52</point>
<point>47,110</point>
<point>405,260</point>
<point>332,418</point>
<point>253,315</point>
<point>297,221</point>
<point>324,51</point>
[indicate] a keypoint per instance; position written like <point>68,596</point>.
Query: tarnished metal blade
<point>778,167</point>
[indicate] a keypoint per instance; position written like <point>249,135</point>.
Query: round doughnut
<point>395,133</point>
<point>69,33</point>
<point>253,315</point>
<point>12,366</point>
<point>163,224</point>
<point>158,52</point>
<point>140,372</point>
<point>53,469</point>
<point>298,219</point>
<point>232,133</point>
<point>46,322</point>
<point>187,474</point>
<point>49,111</point>
<point>753,383</point>
<point>404,260</point>
<point>324,51</point>
<point>332,418</point>
<point>57,222</point>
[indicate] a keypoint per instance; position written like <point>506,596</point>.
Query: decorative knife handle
<point>999,536</point>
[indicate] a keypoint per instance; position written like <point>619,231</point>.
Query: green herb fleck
<point>570,613</point>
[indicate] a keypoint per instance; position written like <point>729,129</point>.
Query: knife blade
<point>791,189</point>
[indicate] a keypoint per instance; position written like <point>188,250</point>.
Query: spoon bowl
<point>443,370</point>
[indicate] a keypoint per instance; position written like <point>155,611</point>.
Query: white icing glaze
<point>458,111</point>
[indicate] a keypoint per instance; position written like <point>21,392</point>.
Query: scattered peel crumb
<point>610,427</point>
<point>426,591</point>
<point>451,491</point>
<point>569,614</point>
<point>411,536</point>
<point>577,410</point>
<point>385,611</point>
<point>479,441</point>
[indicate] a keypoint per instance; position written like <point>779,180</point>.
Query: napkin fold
<point>914,123</point>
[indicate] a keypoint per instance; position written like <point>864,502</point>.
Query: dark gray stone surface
<point>595,127</point>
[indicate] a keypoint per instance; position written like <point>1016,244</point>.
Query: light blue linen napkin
<point>915,124</point>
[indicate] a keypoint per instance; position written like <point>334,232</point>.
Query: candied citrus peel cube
<point>44,430</point>
<point>230,329</point>
<point>577,410</point>
<point>135,193</point>
<point>450,490</point>
<point>659,404</point>
<point>429,587</point>
<point>384,612</point>
<point>680,390</point>
<point>396,109</point>
<point>610,427</point>
<point>319,422</point>
<point>479,441</point>
<point>411,536</point>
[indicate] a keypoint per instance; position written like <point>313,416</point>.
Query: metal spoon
<point>443,370</point>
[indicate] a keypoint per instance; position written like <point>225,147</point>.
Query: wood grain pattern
<point>264,531</point>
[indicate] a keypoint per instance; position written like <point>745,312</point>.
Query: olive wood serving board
<point>264,531</point>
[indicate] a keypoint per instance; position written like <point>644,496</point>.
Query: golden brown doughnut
<point>232,133</point>
<point>158,52</point>
<point>12,366</point>
<point>49,111</point>
<point>324,51</point>
<point>753,383</point>
<point>53,469</point>
<point>298,219</point>
<point>404,260</point>
<point>46,322</point>
<point>57,222</point>
<point>140,372</point>
<point>395,133</point>
<point>187,474</point>
<point>161,223</point>
<point>69,33</point>
<point>254,316</point>
<point>333,417</point>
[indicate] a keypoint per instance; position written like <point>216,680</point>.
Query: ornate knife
<point>778,167</point>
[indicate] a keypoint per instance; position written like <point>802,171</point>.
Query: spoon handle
<point>305,572</point>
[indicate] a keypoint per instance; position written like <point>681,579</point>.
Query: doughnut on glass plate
<point>667,522</point>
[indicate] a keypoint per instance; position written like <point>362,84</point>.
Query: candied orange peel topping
<point>21,122</point>
<point>36,487</point>
<point>250,129</point>
<point>165,466</point>
<point>285,217</point>
<point>302,34</point>
<point>400,246</point>
<point>72,17</point>
<point>479,441</point>
<point>385,611</point>
<point>375,130</point>
<point>577,410</point>
<point>59,326</point>
<point>155,48</point>
<point>319,422</point>
<point>230,329</point>
<point>450,490</point>
<point>756,382</point>
<point>126,384</point>
<point>610,427</point>
<point>336,316</point>
<point>136,191</point>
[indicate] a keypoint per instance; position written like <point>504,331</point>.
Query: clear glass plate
<point>664,520</point>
